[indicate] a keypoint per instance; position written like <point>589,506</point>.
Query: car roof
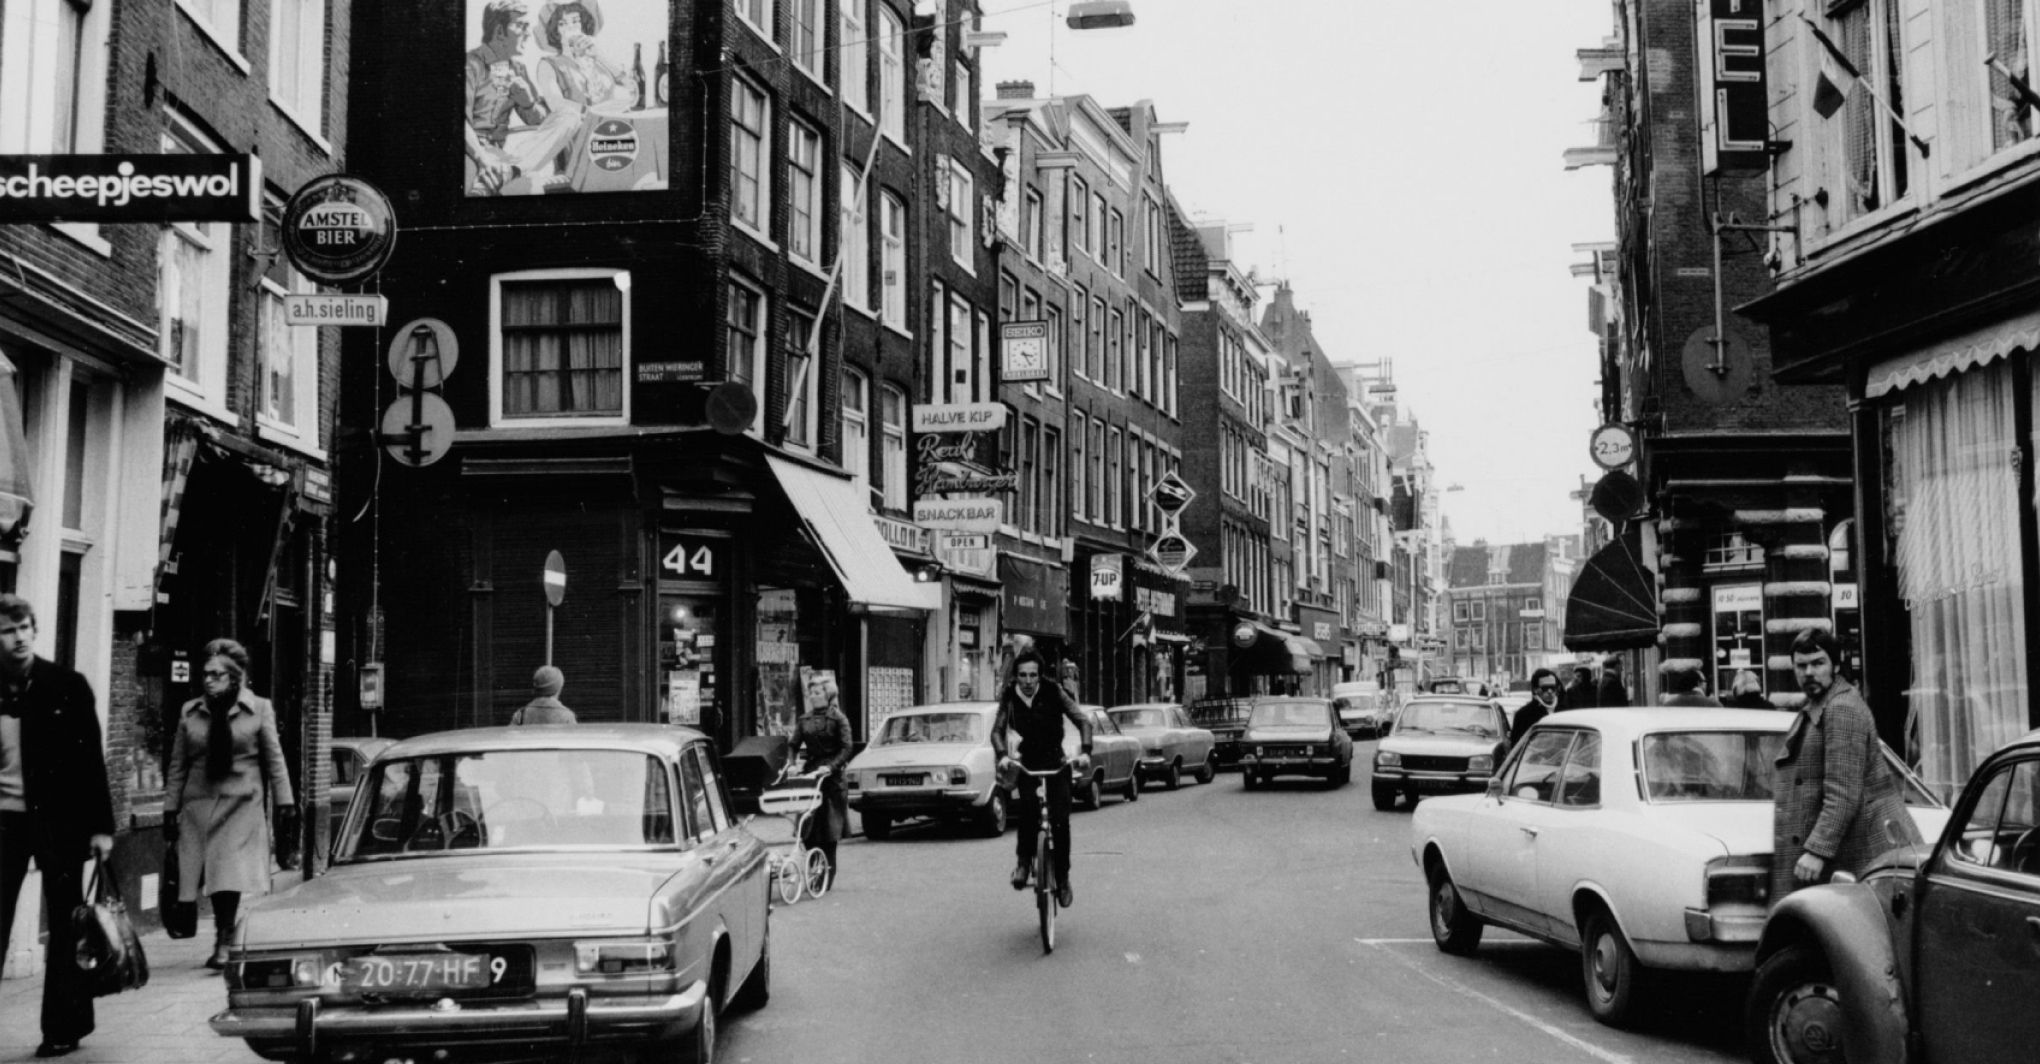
<point>1261,699</point>
<point>1642,720</point>
<point>1461,700</point>
<point>664,739</point>
<point>1145,705</point>
<point>947,707</point>
<point>363,744</point>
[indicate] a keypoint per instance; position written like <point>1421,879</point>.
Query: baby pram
<point>785,807</point>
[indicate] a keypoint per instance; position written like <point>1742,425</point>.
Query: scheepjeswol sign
<point>130,188</point>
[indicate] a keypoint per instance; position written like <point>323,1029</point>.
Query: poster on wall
<point>779,691</point>
<point>565,97</point>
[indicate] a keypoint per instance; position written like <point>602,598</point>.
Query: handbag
<point>180,918</point>
<point>109,953</point>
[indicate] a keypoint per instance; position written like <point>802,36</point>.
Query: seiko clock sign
<point>338,229</point>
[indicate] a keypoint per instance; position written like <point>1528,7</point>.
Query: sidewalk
<point>162,1023</point>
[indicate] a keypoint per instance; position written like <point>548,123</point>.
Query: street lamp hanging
<point>1100,14</point>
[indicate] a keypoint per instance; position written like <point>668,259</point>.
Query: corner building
<point>692,315</point>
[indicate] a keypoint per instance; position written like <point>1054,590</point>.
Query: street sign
<point>1172,552</point>
<point>1612,446</point>
<point>555,578</point>
<point>958,417</point>
<point>1171,494</point>
<point>1108,575</point>
<point>328,309</point>
<point>417,429</point>
<point>960,515</point>
<point>423,353</point>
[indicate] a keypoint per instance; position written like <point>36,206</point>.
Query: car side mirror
<point>1494,788</point>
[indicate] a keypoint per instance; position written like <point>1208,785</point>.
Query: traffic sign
<point>417,429</point>
<point>1171,494</point>
<point>423,353</point>
<point>1612,446</point>
<point>555,578</point>
<point>1172,552</point>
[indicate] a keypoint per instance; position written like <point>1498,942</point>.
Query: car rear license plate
<point>422,973</point>
<point>903,779</point>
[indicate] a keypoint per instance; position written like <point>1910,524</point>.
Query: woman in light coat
<point>225,760</point>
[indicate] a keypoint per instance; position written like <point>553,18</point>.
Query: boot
<point>218,960</point>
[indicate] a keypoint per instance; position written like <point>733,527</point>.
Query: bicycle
<point>1044,857</point>
<point>792,800</point>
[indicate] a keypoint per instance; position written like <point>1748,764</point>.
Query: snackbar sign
<point>130,188</point>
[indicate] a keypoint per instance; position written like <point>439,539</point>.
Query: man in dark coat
<point>1544,694</point>
<point>1579,694</point>
<point>54,807</point>
<point>1612,691</point>
<point>1685,687</point>
<point>1037,711</point>
<point>1839,805</point>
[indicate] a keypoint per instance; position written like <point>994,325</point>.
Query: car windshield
<point>1710,766</point>
<point>1469,717</point>
<point>1354,703</point>
<point>1286,714</point>
<point>511,799</point>
<point>1140,718</point>
<point>932,728</point>
<point>1447,687</point>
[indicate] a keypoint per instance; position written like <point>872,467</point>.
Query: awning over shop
<point>1613,605</point>
<point>834,510</point>
<point>1954,355</point>
<point>1275,651</point>
<point>1308,647</point>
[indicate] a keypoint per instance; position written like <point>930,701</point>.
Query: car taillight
<point>278,973</point>
<point>1739,881</point>
<point>623,956</point>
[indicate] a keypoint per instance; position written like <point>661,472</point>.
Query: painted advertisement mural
<point>566,97</point>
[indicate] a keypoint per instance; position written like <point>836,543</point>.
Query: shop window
<point>1738,624</point>
<point>778,653</point>
<point>688,631</point>
<point>558,342</point>
<point>1732,550</point>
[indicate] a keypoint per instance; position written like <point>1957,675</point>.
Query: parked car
<point>929,761</point>
<point>1295,737</point>
<point>1639,837</point>
<point>1439,744</point>
<point>1362,707</point>
<point>351,755</point>
<point>1114,764</point>
<point>555,891</point>
<point>1169,743</point>
<point>1934,955</point>
<point>1226,720</point>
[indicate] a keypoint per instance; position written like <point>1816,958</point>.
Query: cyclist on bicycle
<point>1037,712</point>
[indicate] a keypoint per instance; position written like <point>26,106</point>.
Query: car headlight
<point>853,781</point>
<point>279,972</point>
<point>959,775</point>
<point>1481,763</point>
<point>623,956</point>
<point>1388,759</point>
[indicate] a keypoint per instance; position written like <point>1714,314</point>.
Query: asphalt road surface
<point>1211,924</point>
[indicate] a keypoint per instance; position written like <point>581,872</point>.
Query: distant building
<point>1506,608</point>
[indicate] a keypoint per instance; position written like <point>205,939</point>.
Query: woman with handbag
<point>225,760</point>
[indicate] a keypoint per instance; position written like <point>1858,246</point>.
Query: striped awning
<point>1954,355</point>
<point>180,448</point>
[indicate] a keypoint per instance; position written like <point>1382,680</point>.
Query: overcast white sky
<point>1400,164</point>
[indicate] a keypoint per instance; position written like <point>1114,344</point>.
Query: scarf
<point>219,747</point>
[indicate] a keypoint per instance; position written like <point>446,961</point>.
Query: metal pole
<point>548,633</point>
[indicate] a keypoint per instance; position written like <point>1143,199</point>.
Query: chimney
<point>1016,90</point>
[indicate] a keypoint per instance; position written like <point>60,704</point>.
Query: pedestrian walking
<point>226,768</point>
<point>1839,805</point>
<point>54,807</point>
<point>821,735</point>
<point>1746,691</point>
<point>1544,700</point>
<point>545,706</point>
<point>1071,685</point>
<point>1684,686</point>
<point>1612,691</point>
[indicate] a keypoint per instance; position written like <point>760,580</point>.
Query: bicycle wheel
<point>817,872</point>
<point>790,879</point>
<point>1044,893</point>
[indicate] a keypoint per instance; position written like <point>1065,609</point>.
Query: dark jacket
<point>63,763</point>
<point>1748,700</point>
<point>1610,692</point>
<point>1040,725</point>
<point>1692,698</point>
<point>1577,696</point>
<point>823,739</point>
<point>1532,712</point>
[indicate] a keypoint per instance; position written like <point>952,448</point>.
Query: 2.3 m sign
<point>691,557</point>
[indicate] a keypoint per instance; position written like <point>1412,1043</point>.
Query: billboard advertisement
<point>565,97</point>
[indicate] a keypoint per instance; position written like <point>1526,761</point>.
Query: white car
<point>929,761</point>
<point>1640,837</point>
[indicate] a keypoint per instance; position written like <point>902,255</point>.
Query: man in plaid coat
<point>1839,805</point>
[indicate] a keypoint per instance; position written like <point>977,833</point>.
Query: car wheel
<point>993,820</point>
<point>1340,776</point>
<point>1092,796</point>
<point>1208,771</point>
<point>1385,797</point>
<point>877,827</point>
<point>1454,927</point>
<point>1174,778</point>
<point>1794,1014</point>
<point>1609,969</point>
<point>1249,781</point>
<point>701,1041</point>
<point>1132,791</point>
<point>757,988</point>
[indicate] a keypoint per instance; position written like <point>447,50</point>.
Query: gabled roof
<point>1524,563</point>
<point>1187,253</point>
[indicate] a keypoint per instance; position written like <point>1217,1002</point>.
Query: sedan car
<point>1363,708</point>
<point>1114,764</point>
<point>1295,737</point>
<point>500,893</point>
<point>351,755</point>
<point>1639,837</point>
<point>1169,743</point>
<point>1933,955</point>
<point>1440,744</point>
<point>929,761</point>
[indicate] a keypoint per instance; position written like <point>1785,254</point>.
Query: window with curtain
<point>1873,147</point>
<point>744,342</point>
<point>800,381</point>
<point>562,342</point>
<point>893,419</point>
<point>856,400</point>
<point>749,194</point>
<point>805,30</point>
<point>893,260</point>
<point>892,77</point>
<point>297,59</point>
<point>854,56</point>
<point>1951,492</point>
<point>855,239</point>
<point>803,192</point>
